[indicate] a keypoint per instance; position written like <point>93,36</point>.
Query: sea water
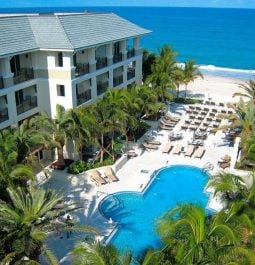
<point>221,41</point>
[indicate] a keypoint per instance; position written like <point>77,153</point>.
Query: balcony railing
<point>130,73</point>
<point>101,87</point>
<point>1,82</point>
<point>117,58</point>
<point>29,103</point>
<point>4,115</point>
<point>130,53</point>
<point>81,69</point>
<point>117,80</point>
<point>23,75</point>
<point>101,62</point>
<point>83,97</point>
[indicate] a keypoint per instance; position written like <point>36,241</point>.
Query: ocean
<point>221,41</point>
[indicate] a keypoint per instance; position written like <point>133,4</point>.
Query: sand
<point>217,88</point>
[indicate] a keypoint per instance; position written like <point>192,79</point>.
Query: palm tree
<point>94,253</point>
<point>148,60</point>
<point>27,220</point>
<point>227,185</point>
<point>117,117</point>
<point>249,90</point>
<point>81,127</point>
<point>190,73</point>
<point>163,73</point>
<point>11,173</point>
<point>191,237</point>
<point>102,125</point>
<point>28,137</point>
<point>179,76</point>
<point>59,127</point>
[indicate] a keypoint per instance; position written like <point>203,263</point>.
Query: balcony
<point>29,103</point>
<point>1,82</point>
<point>23,75</point>
<point>81,69</point>
<point>117,80</point>
<point>130,53</point>
<point>101,62</point>
<point>130,73</point>
<point>102,87</point>
<point>83,97</point>
<point>4,115</point>
<point>117,58</point>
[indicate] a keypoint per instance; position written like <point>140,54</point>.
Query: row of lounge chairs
<point>99,179</point>
<point>168,122</point>
<point>198,152</point>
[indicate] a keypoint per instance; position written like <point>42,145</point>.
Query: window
<point>60,90</point>
<point>116,48</point>
<point>19,97</point>
<point>60,60</point>
<point>15,64</point>
<point>75,59</point>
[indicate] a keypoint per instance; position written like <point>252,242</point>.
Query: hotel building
<point>67,59</point>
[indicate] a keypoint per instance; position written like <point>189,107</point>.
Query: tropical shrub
<point>77,167</point>
<point>188,100</point>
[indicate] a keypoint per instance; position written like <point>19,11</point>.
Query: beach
<point>217,88</point>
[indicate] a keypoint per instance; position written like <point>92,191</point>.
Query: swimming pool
<point>138,213</point>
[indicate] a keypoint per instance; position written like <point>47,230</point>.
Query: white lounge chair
<point>199,152</point>
<point>190,150</point>
<point>150,146</point>
<point>177,149</point>
<point>96,177</point>
<point>152,141</point>
<point>110,175</point>
<point>167,148</point>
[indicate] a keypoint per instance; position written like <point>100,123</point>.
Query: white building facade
<point>67,59</point>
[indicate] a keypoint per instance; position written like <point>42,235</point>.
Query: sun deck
<point>135,175</point>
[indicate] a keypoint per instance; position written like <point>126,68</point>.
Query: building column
<point>109,54</point>
<point>123,49</point>
<point>138,50</point>
<point>125,75</point>
<point>12,109</point>
<point>92,60</point>
<point>93,88</point>
<point>6,72</point>
<point>72,67</point>
<point>110,79</point>
<point>138,71</point>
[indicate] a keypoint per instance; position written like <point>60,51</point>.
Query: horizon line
<point>81,6</point>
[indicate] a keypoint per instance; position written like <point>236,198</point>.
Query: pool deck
<point>134,175</point>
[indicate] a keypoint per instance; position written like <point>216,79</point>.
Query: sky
<point>174,3</point>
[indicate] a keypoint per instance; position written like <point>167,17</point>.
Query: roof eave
<point>107,42</point>
<point>17,53</point>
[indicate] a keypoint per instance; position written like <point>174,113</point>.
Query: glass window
<point>60,90</point>
<point>60,59</point>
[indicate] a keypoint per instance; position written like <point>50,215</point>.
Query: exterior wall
<point>47,75</point>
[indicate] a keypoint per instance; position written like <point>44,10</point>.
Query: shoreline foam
<point>215,87</point>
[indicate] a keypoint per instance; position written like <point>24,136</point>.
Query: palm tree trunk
<point>177,92</point>
<point>102,149</point>
<point>113,156</point>
<point>186,90</point>
<point>60,151</point>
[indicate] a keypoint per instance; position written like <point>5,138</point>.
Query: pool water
<point>138,213</point>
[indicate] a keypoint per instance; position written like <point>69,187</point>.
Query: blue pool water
<point>138,213</point>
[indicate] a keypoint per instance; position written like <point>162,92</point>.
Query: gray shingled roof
<point>49,33</point>
<point>16,35</point>
<point>63,32</point>
<point>93,28</point>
